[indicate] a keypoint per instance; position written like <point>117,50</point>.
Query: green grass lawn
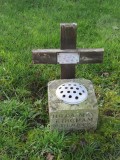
<point>24,122</point>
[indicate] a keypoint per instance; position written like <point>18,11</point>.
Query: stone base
<point>65,117</point>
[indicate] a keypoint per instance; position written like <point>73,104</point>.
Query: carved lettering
<point>79,120</point>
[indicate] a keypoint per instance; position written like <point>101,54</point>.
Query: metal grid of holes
<point>71,93</point>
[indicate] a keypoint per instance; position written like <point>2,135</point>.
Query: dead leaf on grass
<point>49,156</point>
<point>115,27</point>
<point>105,74</point>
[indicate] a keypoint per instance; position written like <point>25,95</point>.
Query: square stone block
<point>65,117</point>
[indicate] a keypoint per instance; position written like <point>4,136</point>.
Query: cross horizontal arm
<point>49,56</point>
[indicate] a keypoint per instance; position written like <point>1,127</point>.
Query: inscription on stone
<point>72,120</point>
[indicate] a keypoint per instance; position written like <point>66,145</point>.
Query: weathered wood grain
<point>68,41</point>
<point>68,35</point>
<point>49,56</point>
<point>91,55</point>
<point>44,56</point>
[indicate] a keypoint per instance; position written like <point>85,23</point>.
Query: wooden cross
<point>68,55</point>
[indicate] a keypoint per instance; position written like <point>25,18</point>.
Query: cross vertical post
<point>68,41</point>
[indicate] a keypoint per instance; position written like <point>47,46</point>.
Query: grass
<point>24,122</point>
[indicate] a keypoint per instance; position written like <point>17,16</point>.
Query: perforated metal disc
<point>72,93</point>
